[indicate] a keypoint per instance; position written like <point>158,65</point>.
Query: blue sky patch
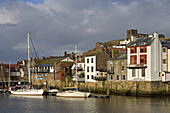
<point>34,1</point>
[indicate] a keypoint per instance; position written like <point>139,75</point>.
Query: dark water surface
<point>51,104</point>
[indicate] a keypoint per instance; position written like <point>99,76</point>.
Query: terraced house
<point>144,59</point>
<point>116,68</point>
<point>95,66</point>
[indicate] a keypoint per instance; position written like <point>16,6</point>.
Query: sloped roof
<point>44,65</point>
<point>120,56</point>
<point>67,59</point>
<point>142,42</point>
<point>165,44</point>
<point>92,54</point>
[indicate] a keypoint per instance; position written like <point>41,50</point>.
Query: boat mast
<point>32,69</point>
<point>9,73</point>
<point>2,77</point>
<point>28,58</point>
<point>76,66</point>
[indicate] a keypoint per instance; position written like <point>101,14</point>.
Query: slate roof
<point>165,44</point>
<point>120,56</point>
<point>44,65</point>
<point>92,54</point>
<point>142,42</point>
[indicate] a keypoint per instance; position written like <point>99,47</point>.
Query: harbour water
<point>114,104</point>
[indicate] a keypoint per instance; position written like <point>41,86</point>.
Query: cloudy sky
<point>56,26</point>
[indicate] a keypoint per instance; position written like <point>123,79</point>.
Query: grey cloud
<point>57,25</point>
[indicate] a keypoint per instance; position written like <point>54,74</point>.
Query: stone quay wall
<point>141,88</point>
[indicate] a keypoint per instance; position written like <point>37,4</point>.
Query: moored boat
<point>30,92</point>
<point>73,94</point>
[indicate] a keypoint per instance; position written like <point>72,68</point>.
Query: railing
<point>15,74</point>
<point>42,71</point>
<point>136,65</point>
<point>100,78</point>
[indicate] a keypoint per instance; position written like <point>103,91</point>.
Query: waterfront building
<point>144,59</point>
<point>15,74</point>
<point>117,67</point>
<point>95,66</point>
<point>80,72</point>
<point>165,61</point>
<point>63,68</point>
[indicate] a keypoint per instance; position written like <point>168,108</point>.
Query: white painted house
<point>144,59</point>
<point>90,68</point>
<point>95,66</point>
<point>165,61</point>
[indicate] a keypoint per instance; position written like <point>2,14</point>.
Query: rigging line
<point>36,54</point>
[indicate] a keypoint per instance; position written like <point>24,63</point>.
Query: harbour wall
<point>142,88</point>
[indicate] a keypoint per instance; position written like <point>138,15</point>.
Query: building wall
<point>155,59</point>
<point>90,73</point>
<point>101,61</point>
<point>99,46</point>
<point>132,32</point>
<point>118,71</point>
<point>168,60</point>
<point>164,57</point>
<point>137,67</point>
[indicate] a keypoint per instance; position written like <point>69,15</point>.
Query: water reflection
<point>52,104</point>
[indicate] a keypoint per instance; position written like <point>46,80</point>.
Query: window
<point>111,77</point>
<point>143,59</point>
<point>133,59</point>
<point>87,68</point>
<point>87,60</point>
<point>92,77</point>
<point>112,70</point>
<point>143,49</point>
<point>101,74</point>
<point>133,73</point>
<point>117,77</point>
<point>143,72</point>
<point>164,61</point>
<point>97,74</point>
<point>92,60</point>
<point>122,68</point>
<point>91,68</point>
<point>87,76</point>
<point>123,77</point>
<point>133,50</point>
<point>164,49</point>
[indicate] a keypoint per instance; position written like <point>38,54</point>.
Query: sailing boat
<point>29,92</point>
<point>74,93</point>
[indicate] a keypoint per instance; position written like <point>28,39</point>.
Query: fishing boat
<point>74,93</point>
<point>28,91</point>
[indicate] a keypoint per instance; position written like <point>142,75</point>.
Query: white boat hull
<point>28,92</point>
<point>73,94</point>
